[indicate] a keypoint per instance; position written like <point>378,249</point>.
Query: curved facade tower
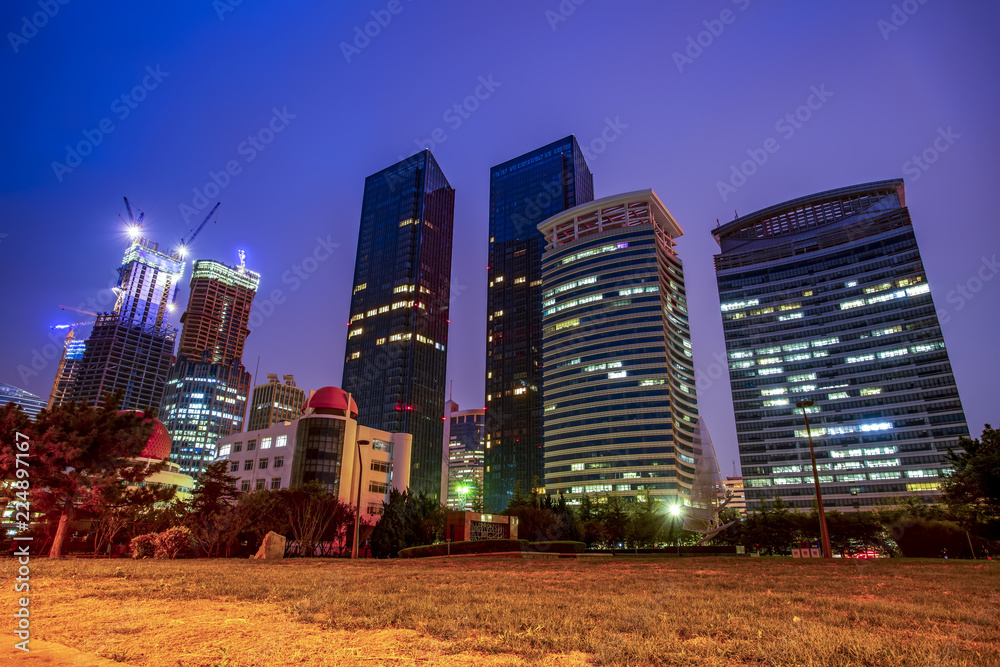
<point>617,370</point>
<point>825,299</point>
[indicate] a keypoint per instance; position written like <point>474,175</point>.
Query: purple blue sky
<point>893,86</point>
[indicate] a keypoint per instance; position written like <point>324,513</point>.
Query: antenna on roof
<point>717,223</point>
<point>736,214</point>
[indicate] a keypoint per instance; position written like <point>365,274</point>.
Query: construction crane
<point>79,310</point>
<point>182,250</point>
<point>70,335</point>
<point>134,223</point>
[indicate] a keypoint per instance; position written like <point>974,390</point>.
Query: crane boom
<point>80,310</point>
<point>186,242</point>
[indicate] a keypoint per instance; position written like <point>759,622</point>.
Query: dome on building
<point>330,398</point>
<point>158,445</point>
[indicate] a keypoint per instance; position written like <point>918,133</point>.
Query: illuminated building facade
<point>466,446</point>
<point>620,408</point>
<point>30,403</point>
<point>274,402</point>
<point>523,192</point>
<point>320,445</point>
<point>825,298</point>
<point>206,393</point>
<point>130,349</point>
<point>398,329</point>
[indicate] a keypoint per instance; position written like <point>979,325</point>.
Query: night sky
<point>211,76</point>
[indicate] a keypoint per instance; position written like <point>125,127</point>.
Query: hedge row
<point>470,547</point>
<point>492,546</point>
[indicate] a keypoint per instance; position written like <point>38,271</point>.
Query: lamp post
<point>357,512</point>
<point>827,553</point>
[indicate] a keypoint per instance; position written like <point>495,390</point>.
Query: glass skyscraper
<point>524,191</point>
<point>825,298</point>
<point>130,349</point>
<point>398,331</point>
<point>620,408</point>
<point>206,391</point>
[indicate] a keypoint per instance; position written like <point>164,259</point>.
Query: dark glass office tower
<point>524,191</point>
<point>826,299</point>
<point>398,331</point>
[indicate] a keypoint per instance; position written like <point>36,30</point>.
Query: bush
<point>558,547</point>
<point>141,546</point>
<point>171,542</point>
<point>460,548</point>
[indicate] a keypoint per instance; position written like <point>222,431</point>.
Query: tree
<point>311,510</point>
<point>408,520</point>
<point>976,478</point>
<point>77,454</point>
<point>211,515</point>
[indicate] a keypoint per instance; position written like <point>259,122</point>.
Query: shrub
<point>470,547</point>
<point>141,546</point>
<point>171,542</point>
<point>558,547</point>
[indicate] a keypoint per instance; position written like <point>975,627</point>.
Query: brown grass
<point>620,611</point>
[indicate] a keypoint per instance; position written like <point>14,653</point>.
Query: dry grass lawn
<point>621,611</point>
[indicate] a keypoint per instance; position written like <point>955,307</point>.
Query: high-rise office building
<point>524,191</point>
<point>466,445</point>
<point>620,408</point>
<point>30,403</point>
<point>825,298</point>
<point>130,348</point>
<point>274,402</point>
<point>206,393</point>
<point>398,331</point>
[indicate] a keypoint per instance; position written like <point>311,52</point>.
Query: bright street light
<point>675,510</point>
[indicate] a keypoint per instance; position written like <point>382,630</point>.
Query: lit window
<point>773,392</point>
<point>888,354</point>
<point>358,288</point>
<point>617,374</point>
<point>735,305</point>
<point>355,332</point>
<point>265,443</point>
<point>920,289</point>
<point>740,355</point>
<point>224,450</point>
<point>281,441</point>
<point>769,360</point>
<point>852,304</point>
<point>775,401</point>
<point>860,358</point>
<point>871,391</point>
<point>355,355</point>
<point>771,371</point>
<point>837,395</point>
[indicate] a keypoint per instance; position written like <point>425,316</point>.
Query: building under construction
<point>130,348</point>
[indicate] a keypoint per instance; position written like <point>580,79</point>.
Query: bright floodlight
<point>675,510</point>
<point>171,307</point>
<point>133,231</point>
<point>182,251</point>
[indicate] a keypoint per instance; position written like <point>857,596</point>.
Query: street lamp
<point>827,553</point>
<point>357,513</point>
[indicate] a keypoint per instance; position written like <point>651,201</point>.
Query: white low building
<point>322,445</point>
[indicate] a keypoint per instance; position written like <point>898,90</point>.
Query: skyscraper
<point>620,408</point>
<point>466,443</point>
<point>523,192</point>
<point>28,402</point>
<point>206,393</point>
<point>273,402</point>
<point>825,298</point>
<point>130,348</point>
<point>396,346</point>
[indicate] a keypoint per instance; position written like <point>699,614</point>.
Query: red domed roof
<point>158,445</point>
<point>331,398</point>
